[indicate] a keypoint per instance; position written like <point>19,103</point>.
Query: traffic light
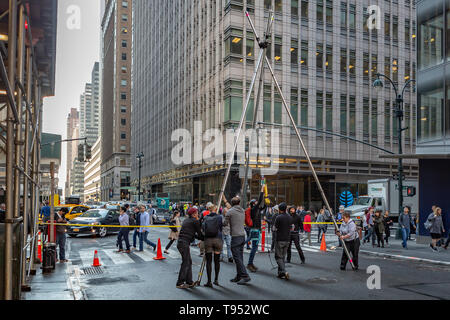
<point>411,191</point>
<point>81,152</point>
<point>88,152</point>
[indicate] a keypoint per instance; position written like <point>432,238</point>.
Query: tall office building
<point>193,61</point>
<point>116,100</point>
<point>433,112</point>
<point>90,108</point>
<point>73,120</point>
<point>77,167</point>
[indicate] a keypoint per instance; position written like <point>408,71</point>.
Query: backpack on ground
<point>211,226</point>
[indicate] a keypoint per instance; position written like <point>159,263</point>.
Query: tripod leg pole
<point>244,112</point>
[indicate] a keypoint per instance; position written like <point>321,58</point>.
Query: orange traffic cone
<point>96,261</point>
<point>159,255</point>
<point>323,245</point>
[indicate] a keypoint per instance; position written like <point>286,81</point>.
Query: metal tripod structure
<point>263,46</point>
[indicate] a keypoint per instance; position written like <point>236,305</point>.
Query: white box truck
<point>383,194</point>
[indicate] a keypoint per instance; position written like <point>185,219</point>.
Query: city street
<point>138,276</point>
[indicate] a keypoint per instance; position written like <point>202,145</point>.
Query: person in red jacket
<point>307,227</point>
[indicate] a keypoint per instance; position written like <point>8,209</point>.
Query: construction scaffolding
<point>27,67</point>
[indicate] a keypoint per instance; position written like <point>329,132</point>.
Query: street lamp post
<point>139,157</point>
<point>399,115</point>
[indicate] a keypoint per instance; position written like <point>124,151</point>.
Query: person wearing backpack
<point>212,230</point>
<point>255,227</point>
<point>137,219</point>
<point>174,231</point>
<point>349,234</point>
<point>435,226</point>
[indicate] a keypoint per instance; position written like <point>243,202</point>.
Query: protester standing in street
<point>190,229</point>
<point>255,230</point>
<point>212,231</point>
<point>274,234</point>
<point>226,232</point>
<point>124,232</point>
<point>348,233</point>
<point>295,236</point>
<point>437,227</point>
<point>388,222</point>
<point>378,222</point>
<point>235,218</point>
<point>370,227</point>
<point>283,227</point>
<point>307,228</point>
<point>145,221</point>
<point>174,231</point>
<point>61,233</point>
<point>137,219</point>
<point>321,227</point>
<point>404,222</point>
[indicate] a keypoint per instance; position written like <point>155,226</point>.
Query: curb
<point>405,258</point>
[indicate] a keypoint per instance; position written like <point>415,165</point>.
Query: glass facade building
<point>194,60</point>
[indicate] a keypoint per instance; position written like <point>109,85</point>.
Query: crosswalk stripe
<point>118,258</point>
<point>145,255</point>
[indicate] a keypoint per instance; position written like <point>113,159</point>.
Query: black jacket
<point>283,225</point>
<point>190,229</point>
<point>297,222</point>
<point>255,212</point>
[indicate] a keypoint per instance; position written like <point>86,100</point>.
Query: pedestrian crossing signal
<point>411,191</point>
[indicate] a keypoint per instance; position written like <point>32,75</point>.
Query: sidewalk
<point>51,286</point>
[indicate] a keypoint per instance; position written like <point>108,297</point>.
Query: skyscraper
<point>90,108</point>
<point>73,121</point>
<point>116,100</point>
<point>193,61</point>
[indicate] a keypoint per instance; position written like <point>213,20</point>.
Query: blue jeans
<point>405,236</point>
<point>143,238</point>
<point>255,236</point>
<point>227,240</point>
<point>136,234</point>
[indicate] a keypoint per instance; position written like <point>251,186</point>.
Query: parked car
<point>95,217</point>
<point>162,216</point>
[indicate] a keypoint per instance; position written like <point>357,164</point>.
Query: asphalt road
<point>139,276</point>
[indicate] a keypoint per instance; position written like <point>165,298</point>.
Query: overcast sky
<point>77,49</point>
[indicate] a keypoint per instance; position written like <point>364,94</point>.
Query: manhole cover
<point>322,280</point>
<point>92,270</point>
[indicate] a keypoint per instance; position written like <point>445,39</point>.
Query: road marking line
<point>118,258</point>
<point>145,255</point>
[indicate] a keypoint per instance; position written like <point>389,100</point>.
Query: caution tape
<point>104,225</point>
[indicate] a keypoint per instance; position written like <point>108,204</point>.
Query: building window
<point>267,4</point>
<point>124,43</point>
<point>352,123</point>
<point>320,11</point>
<point>124,30</point>
<point>123,148</point>
<point>352,62</point>
<point>294,52</point>
<point>319,110</point>
<point>319,56</point>
<point>387,121</point>
<point>431,114</point>
<point>352,17</point>
<point>124,69</point>
<point>387,25</point>
<point>329,59</point>
<point>374,124</point>
<point>278,6</point>
<point>233,108</point>
<point>329,12</point>
<point>123,83</point>
<point>430,41</point>
<point>343,15</point>
<point>343,114</point>
<point>304,9</point>
<point>278,49</point>
<point>233,42</point>
<point>123,135</point>
<point>343,60</point>
<point>294,8</point>
<point>123,122</point>
<point>123,96</point>
<point>124,4</point>
<point>304,108</point>
<point>124,17</point>
<point>294,104</point>
<point>329,112</point>
<point>123,109</point>
<point>304,54</point>
<point>267,106</point>
<point>124,56</point>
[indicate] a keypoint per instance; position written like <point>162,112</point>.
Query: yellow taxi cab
<point>75,210</point>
